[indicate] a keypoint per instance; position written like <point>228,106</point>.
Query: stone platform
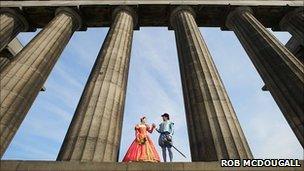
<point>14,165</point>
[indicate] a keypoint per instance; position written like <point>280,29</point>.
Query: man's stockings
<point>165,154</point>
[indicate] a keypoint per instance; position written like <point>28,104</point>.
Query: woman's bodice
<point>142,130</point>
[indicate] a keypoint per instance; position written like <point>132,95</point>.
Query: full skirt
<point>142,152</point>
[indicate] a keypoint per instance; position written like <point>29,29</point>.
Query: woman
<point>142,148</point>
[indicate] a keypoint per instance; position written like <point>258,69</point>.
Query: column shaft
<point>293,22</point>
<point>23,78</point>
<point>3,62</point>
<point>11,23</point>
<point>95,131</point>
<point>5,58</point>
<point>214,130</point>
<point>296,48</point>
<point>8,54</point>
<point>279,68</point>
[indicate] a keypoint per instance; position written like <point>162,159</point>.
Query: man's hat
<point>166,115</point>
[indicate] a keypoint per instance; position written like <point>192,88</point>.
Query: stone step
<point>14,165</point>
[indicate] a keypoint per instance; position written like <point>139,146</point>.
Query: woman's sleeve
<point>136,133</point>
<point>149,128</point>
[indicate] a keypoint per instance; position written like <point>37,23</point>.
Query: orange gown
<point>142,148</point>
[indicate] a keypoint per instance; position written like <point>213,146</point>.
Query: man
<point>166,131</point>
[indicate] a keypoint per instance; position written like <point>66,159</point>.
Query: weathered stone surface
<point>210,13</point>
<point>278,67</point>
<point>95,131</point>
<point>7,54</point>
<point>5,57</point>
<point>214,130</point>
<point>151,2</point>
<point>23,78</point>
<point>11,24</point>
<point>19,165</point>
<point>293,22</point>
<point>296,49</point>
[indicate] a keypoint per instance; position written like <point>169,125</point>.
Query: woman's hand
<point>153,125</point>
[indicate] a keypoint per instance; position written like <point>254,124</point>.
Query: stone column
<point>5,58</point>
<point>214,130</point>
<point>23,78</point>
<point>95,131</point>
<point>8,53</point>
<point>293,22</point>
<point>11,23</point>
<point>296,48</point>
<point>280,70</point>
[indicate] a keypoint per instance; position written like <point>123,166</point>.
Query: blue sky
<point>154,87</point>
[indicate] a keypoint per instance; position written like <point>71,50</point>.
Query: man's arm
<point>172,128</point>
<point>157,129</point>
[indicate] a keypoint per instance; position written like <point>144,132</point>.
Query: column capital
<point>285,21</point>
<point>73,13</point>
<point>128,10</point>
<point>16,15</point>
<point>178,9</point>
<point>236,12</point>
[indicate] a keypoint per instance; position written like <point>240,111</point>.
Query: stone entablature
<point>209,13</point>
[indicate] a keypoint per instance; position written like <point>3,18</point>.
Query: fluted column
<point>95,131</point>
<point>23,78</point>
<point>293,22</point>
<point>280,70</point>
<point>5,57</point>
<point>296,48</point>
<point>8,54</point>
<point>214,130</point>
<point>11,23</point>
<point>3,62</point>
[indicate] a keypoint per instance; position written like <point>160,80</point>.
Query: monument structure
<point>7,54</point>
<point>95,131</point>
